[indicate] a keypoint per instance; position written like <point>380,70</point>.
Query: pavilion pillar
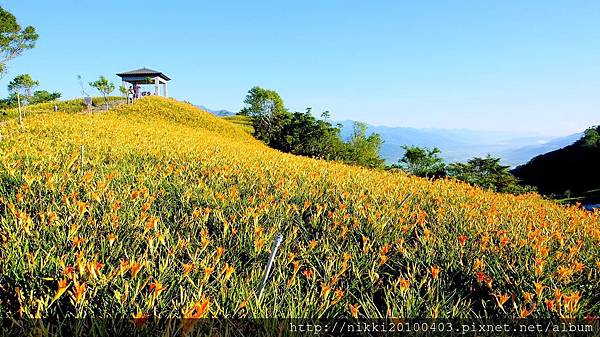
<point>166,90</point>
<point>156,86</point>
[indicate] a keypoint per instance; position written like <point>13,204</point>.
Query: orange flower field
<point>172,212</point>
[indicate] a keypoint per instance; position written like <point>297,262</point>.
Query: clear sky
<point>528,66</point>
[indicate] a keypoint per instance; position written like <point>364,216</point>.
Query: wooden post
<point>20,113</point>
<point>82,161</point>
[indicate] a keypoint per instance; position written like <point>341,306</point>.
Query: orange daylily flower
<point>354,310</point>
<point>156,288</point>
<point>404,284</point>
<point>227,271</point>
<point>435,271</point>
<point>526,312</point>
<point>135,268</point>
<point>207,272</point>
<point>79,291</point>
<point>325,290</point>
<point>219,251</point>
<point>501,299</point>
<point>337,295</point>
<point>308,273</point>
<point>62,287</point>
<point>187,268</point>
<point>539,288</point>
<point>528,297</point>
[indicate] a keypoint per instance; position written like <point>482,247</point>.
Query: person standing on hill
<point>136,89</point>
<point>130,95</point>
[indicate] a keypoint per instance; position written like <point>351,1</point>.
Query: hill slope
<point>176,210</point>
<point>573,168</point>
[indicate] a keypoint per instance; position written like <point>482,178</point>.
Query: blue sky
<point>525,66</point>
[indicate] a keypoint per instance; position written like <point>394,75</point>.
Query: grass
<point>176,209</point>
<point>75,105</point>
<point>244,122</point>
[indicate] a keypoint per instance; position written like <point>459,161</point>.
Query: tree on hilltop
<point>362,149</point>
<point>13,39</point>
<point>43,96</point>
<point>105,87</point>
<point>22,86</point>
<point>488,173</point>
<point>267,111</point>
<point>422,162</point>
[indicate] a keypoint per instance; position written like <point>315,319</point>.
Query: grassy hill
<point>174,211</point>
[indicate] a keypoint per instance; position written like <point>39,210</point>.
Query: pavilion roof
<point>143,72</point>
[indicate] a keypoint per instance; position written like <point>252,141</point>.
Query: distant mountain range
<point>462,144</point>
<point>456,144</point>
<point>220,113</point>
<point>571,171</point>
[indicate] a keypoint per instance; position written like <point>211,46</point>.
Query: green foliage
<point>104,86</point>
<point>591,138</point>
<point>488,173</point>
<point>22,85</point>
<point>13,39</point>
<point>43,96</point>
<point>364,150</point>
<point>267,111</point>
<point>422,162</point>
<point>301,133</point>
<point>123,90</point>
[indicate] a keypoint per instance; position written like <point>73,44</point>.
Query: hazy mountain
<point>220,113</point>
<point>463,144</point>
<point>569,171</point>
<point>524,154</point>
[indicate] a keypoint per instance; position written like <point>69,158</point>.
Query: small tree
<point>422,162</point>
<point>22,86</point>
<point>364,150</point>
<point>105,87</point>
<point>13,39</point>
<point>123,90</point>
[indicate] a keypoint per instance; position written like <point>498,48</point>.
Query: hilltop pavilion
<point>145,76</point>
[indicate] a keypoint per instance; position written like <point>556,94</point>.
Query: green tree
<point>13,39</point>
<point>42,96</point>
<point>303,134</point>
<point>422,162</point>
<point>591,137</point>
<point>105,87</point>
<point>362,149</point>
<point>267,111</point>
<point>488,173</point>
<point>21,86</point>
<point>123,90</point>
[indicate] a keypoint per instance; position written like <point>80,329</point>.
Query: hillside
<point>569,171</point>
<point>176,210</point>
